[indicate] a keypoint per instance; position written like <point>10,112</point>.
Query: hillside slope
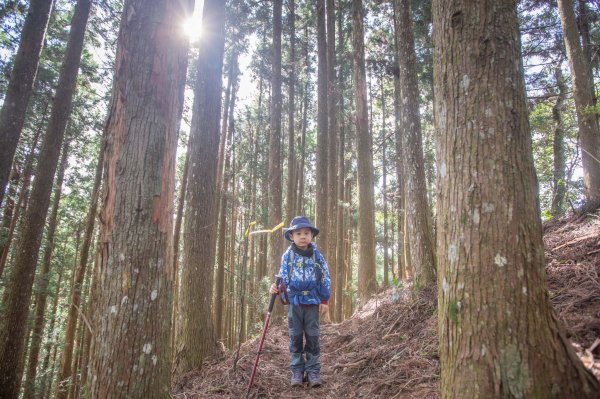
<point>389,348</point>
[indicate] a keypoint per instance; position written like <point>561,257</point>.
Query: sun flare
<point>192,27</point>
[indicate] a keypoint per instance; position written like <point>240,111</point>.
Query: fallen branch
<point>575,241</point>
<point>594,345</point>
<point>349,365</point>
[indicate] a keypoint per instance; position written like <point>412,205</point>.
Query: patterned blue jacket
<point>301,275</point>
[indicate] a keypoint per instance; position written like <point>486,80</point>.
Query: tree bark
<point>13,324</point>
<point>583,92</point>
<point>196,337</point>
<point>322,128</point>
<point>494,311</point>
<point>20,84</point>
<point>417,205</point>
<point>131,350</point>
<point>367,284</point>
<point>43,281</point>
<point>79,274</point>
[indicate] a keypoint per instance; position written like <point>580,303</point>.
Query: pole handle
<point>273,296</point>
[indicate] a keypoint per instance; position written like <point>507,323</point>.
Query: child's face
<point>302,237</point>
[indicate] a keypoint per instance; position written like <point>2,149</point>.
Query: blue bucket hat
<point>297,223</point>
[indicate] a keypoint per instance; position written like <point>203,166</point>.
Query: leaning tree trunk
<point>132,351</point>
<point>367,284</point>
<point>417,206</point>
<point>13,325</point>
<point>42,286</point>
<point>196,336</point>
<point>498,334</point>
<point>583,92</point>
<point>20,84</point>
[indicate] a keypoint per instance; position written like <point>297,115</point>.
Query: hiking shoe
<point>297,377</point>
<point>313,379</point>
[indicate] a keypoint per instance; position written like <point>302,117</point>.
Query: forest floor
<point>389,348</point>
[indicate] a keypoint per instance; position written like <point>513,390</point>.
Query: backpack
<point>283,295</point>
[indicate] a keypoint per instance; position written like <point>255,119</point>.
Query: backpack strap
<point>318,268</point>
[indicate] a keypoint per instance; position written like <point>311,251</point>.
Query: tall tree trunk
<point>13,324</point>
<point>403,260</point>
<point>417,205</point>
<point>291,180</point>
<point>20,84</point>
<point>322,125</point>
<point>332,148</point>
<point>51,334</point>
<point>586,45</point>
<point>176,245</point>
<point>78,277</point>
<point>76,385</point>
<point>44,280</point>
<point>386,260</point>
<point>10,202</point>
<point>196,339</point>
<point>132,351</point>
<point>222,223</point>
<point>275,187</point>
<point>350,243</point>
<point>494,310</point>
<point>51,379</point>
<point>300,205</point>
<point>386,263</point>
<point>367,284</point>
<point>16,212</point>
<point>559,184</point>
<point>340,231</point>
<point>583,92</point>
<point>231,78</point>
<point>89,310</point>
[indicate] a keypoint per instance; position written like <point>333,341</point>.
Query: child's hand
<point>273,290</point>
<point>324,313</point>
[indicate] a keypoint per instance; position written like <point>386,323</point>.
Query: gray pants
<point>303,323</point>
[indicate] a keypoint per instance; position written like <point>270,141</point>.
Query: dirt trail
<point>389,348</point>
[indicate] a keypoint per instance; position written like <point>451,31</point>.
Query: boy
<point>305,278</point>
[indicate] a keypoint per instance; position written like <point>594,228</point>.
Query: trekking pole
<point>262,339</point>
